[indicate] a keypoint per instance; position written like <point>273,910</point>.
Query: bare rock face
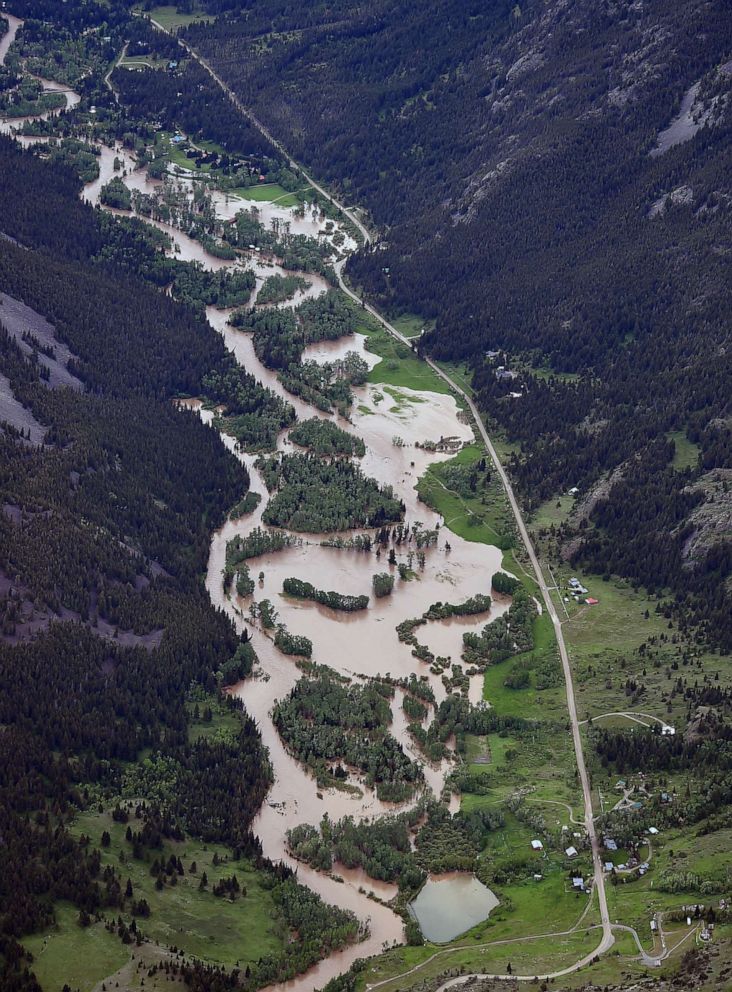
<point>711,520</point>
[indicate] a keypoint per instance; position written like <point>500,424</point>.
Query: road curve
<point>646,958</point>
<point>599,879</point>
<point>629,715</point>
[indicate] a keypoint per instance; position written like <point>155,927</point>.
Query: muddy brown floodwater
<point>8,125</point>
<point>391,421</point>
<point>358,645</point>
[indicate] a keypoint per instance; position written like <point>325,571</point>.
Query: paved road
<point>599,877</point>
<point>351,214</point>
<point>607,939</point>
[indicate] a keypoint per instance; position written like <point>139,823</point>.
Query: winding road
<point>607,939</point>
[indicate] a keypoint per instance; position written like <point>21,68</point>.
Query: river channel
<point>391,422</point>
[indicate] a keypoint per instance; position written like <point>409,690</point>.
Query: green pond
<point>451,904</point>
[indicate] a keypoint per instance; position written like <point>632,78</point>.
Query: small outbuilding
<point>571,852</point>
<point>537,845</point>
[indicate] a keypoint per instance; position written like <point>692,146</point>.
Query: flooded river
<point>357,645</point>
<point>360,645</point>
<point>8,125</point>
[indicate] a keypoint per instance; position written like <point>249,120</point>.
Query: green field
<point>223,723</point>
<point>69,954</point>
<point>129,62</point>
<point>170,19</point>
<point>267,193</point>
<point>532,703</point>
<point>398,365</point>
<point>205,926</point>
<point>484,516</point>
<point>460,373</point>
<point>552,513</point>
<point>546,374</point>
<point>687,453</point>
<point>528,957</point>
<point>178,157</point>
<point>411,324</point>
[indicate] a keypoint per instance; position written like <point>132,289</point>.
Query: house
<point>666,797</point>
<point>610,844</point>
<point>653,830</point>
<point>177,139</point>
<point>537,845</point>
<point>705,934</point>
<point>492,354</point>
<point>573,491</point>
<point>538,878</point>
<point>609,866</point>
<point>620,784</point>
<point>579,884</point>
<point>571,852</point>
<point>654,926</point>
<point>591,601</point>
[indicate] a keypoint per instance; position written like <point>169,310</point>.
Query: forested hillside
<point>104,533</point>
<point>553,183</point>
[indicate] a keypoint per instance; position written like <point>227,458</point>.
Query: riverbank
<point>402,414</point>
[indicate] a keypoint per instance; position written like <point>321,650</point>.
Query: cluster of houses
<point>632,864</point>
<point>505,375</point>
<point>578,593</point>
